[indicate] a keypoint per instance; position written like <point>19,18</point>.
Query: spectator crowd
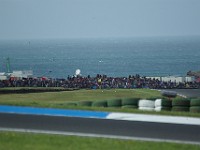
<point>98,82</point>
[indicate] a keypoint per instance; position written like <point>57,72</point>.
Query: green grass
<point>24,141</point>
<point>60,99</point>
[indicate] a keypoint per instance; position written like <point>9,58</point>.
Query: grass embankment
<point>56,98</point>
<point>24,141</point>
<point>19,90</point>
<point>62,98</point>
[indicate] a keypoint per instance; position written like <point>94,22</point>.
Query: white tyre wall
<point>158,102</point>
<point>158,109</point>
<point>146,108</point>
<point>146,103</point>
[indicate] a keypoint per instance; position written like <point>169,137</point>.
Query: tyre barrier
<point>130,101</point>
<point>153,98</point>
<point>114,103</point>
<point>180,108</point>
<point>163,103</point>
<point>195,105</point>
<point>130,106</point>
<point>181,102</point>
<point>102,103</point>
<point>195,102</point>
<point>146,108</point>
<point>161,108</point>
<point>85,103</point>
<point>195,109</point>
<point>146,103</point>
<point>169,93</point>
<point>71,104</point>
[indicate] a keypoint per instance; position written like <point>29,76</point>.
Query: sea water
<point>117,57</point>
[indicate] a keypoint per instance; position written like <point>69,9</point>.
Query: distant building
<point>189,79</point>
<point>176,79</point>
<point>156,78</point>
<point>173,79</point>
<point>22,74</point>
<point>3,76</point>
<point>16,74</point>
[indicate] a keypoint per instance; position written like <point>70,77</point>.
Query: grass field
<point>24,141</point>
<point>60,99</point>
<point>79,95</point>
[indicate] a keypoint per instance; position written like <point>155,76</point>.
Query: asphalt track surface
<point>187,92</point>
<point>138,129</point>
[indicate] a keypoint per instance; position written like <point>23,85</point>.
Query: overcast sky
<point>98,18</point>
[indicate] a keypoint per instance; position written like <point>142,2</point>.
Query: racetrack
<point>122,129</point>
<point>135,129</point>
<point>187,92</point>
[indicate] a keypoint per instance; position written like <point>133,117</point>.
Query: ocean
<point>117,57</point>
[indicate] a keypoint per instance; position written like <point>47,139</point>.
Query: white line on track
<point>97,135</point>
<point>154,118</point>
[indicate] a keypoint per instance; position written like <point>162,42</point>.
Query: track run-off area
<point>100,124</point>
